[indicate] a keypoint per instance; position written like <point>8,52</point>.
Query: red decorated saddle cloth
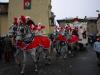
<point>73,39</point>
<point>43,41</point>
<point>60,37</point>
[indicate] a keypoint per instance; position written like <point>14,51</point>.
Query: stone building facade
<point>3,18</point>
<point>91,23</point>
<point>91,26</point>
<point>40,12</point>
<point>98,23</point>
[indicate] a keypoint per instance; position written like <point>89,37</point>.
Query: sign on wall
<point>27,4</point>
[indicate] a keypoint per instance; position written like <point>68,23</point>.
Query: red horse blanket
<point>73,39</point>
<point>43,41</point>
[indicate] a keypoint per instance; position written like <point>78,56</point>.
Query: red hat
<point>42,27</point>
<point>23,19</point>
<point>35,27</point>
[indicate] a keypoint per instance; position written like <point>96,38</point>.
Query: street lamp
<point>97,11</point>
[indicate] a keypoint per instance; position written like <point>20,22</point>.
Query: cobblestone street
<point>84,63</point>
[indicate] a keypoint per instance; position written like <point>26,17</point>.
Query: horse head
<point>12,31</point>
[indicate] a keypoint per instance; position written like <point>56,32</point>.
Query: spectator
<point>91,40</point>
<point>7,49</point>
<point>0,48</point>
<point>97,49</point>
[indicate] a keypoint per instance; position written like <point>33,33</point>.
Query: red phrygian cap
<point>23,19</point>
<point>42,27</point>
<point>35,27</point>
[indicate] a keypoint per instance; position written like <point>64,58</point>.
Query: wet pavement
<point>84,63</point>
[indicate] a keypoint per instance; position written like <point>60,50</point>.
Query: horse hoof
<point>19,65</point>
<point>22,74</point>
<point>36,70</point>
<point>48,63</point>
<point>65,57</point>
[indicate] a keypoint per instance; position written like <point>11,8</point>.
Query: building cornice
<point>4,3</point>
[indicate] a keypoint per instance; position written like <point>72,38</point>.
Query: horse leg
<point>58,48</point>
<point>23,63</point>
<point>34,57</point>
<point>64,51</point>
<point>16,56</point>
<point>47,55</point>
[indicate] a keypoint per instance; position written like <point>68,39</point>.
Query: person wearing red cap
<point>15,24</point>
<point>21,29</point>
<point>22,19</point>
<point>13,27</point>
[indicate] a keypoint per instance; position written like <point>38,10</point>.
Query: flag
<point>27,4</point>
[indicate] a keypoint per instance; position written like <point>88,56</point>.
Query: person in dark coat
<point>1,48</point>
<point>7,49</point>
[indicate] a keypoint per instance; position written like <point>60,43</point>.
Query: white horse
<point>38,45</point>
